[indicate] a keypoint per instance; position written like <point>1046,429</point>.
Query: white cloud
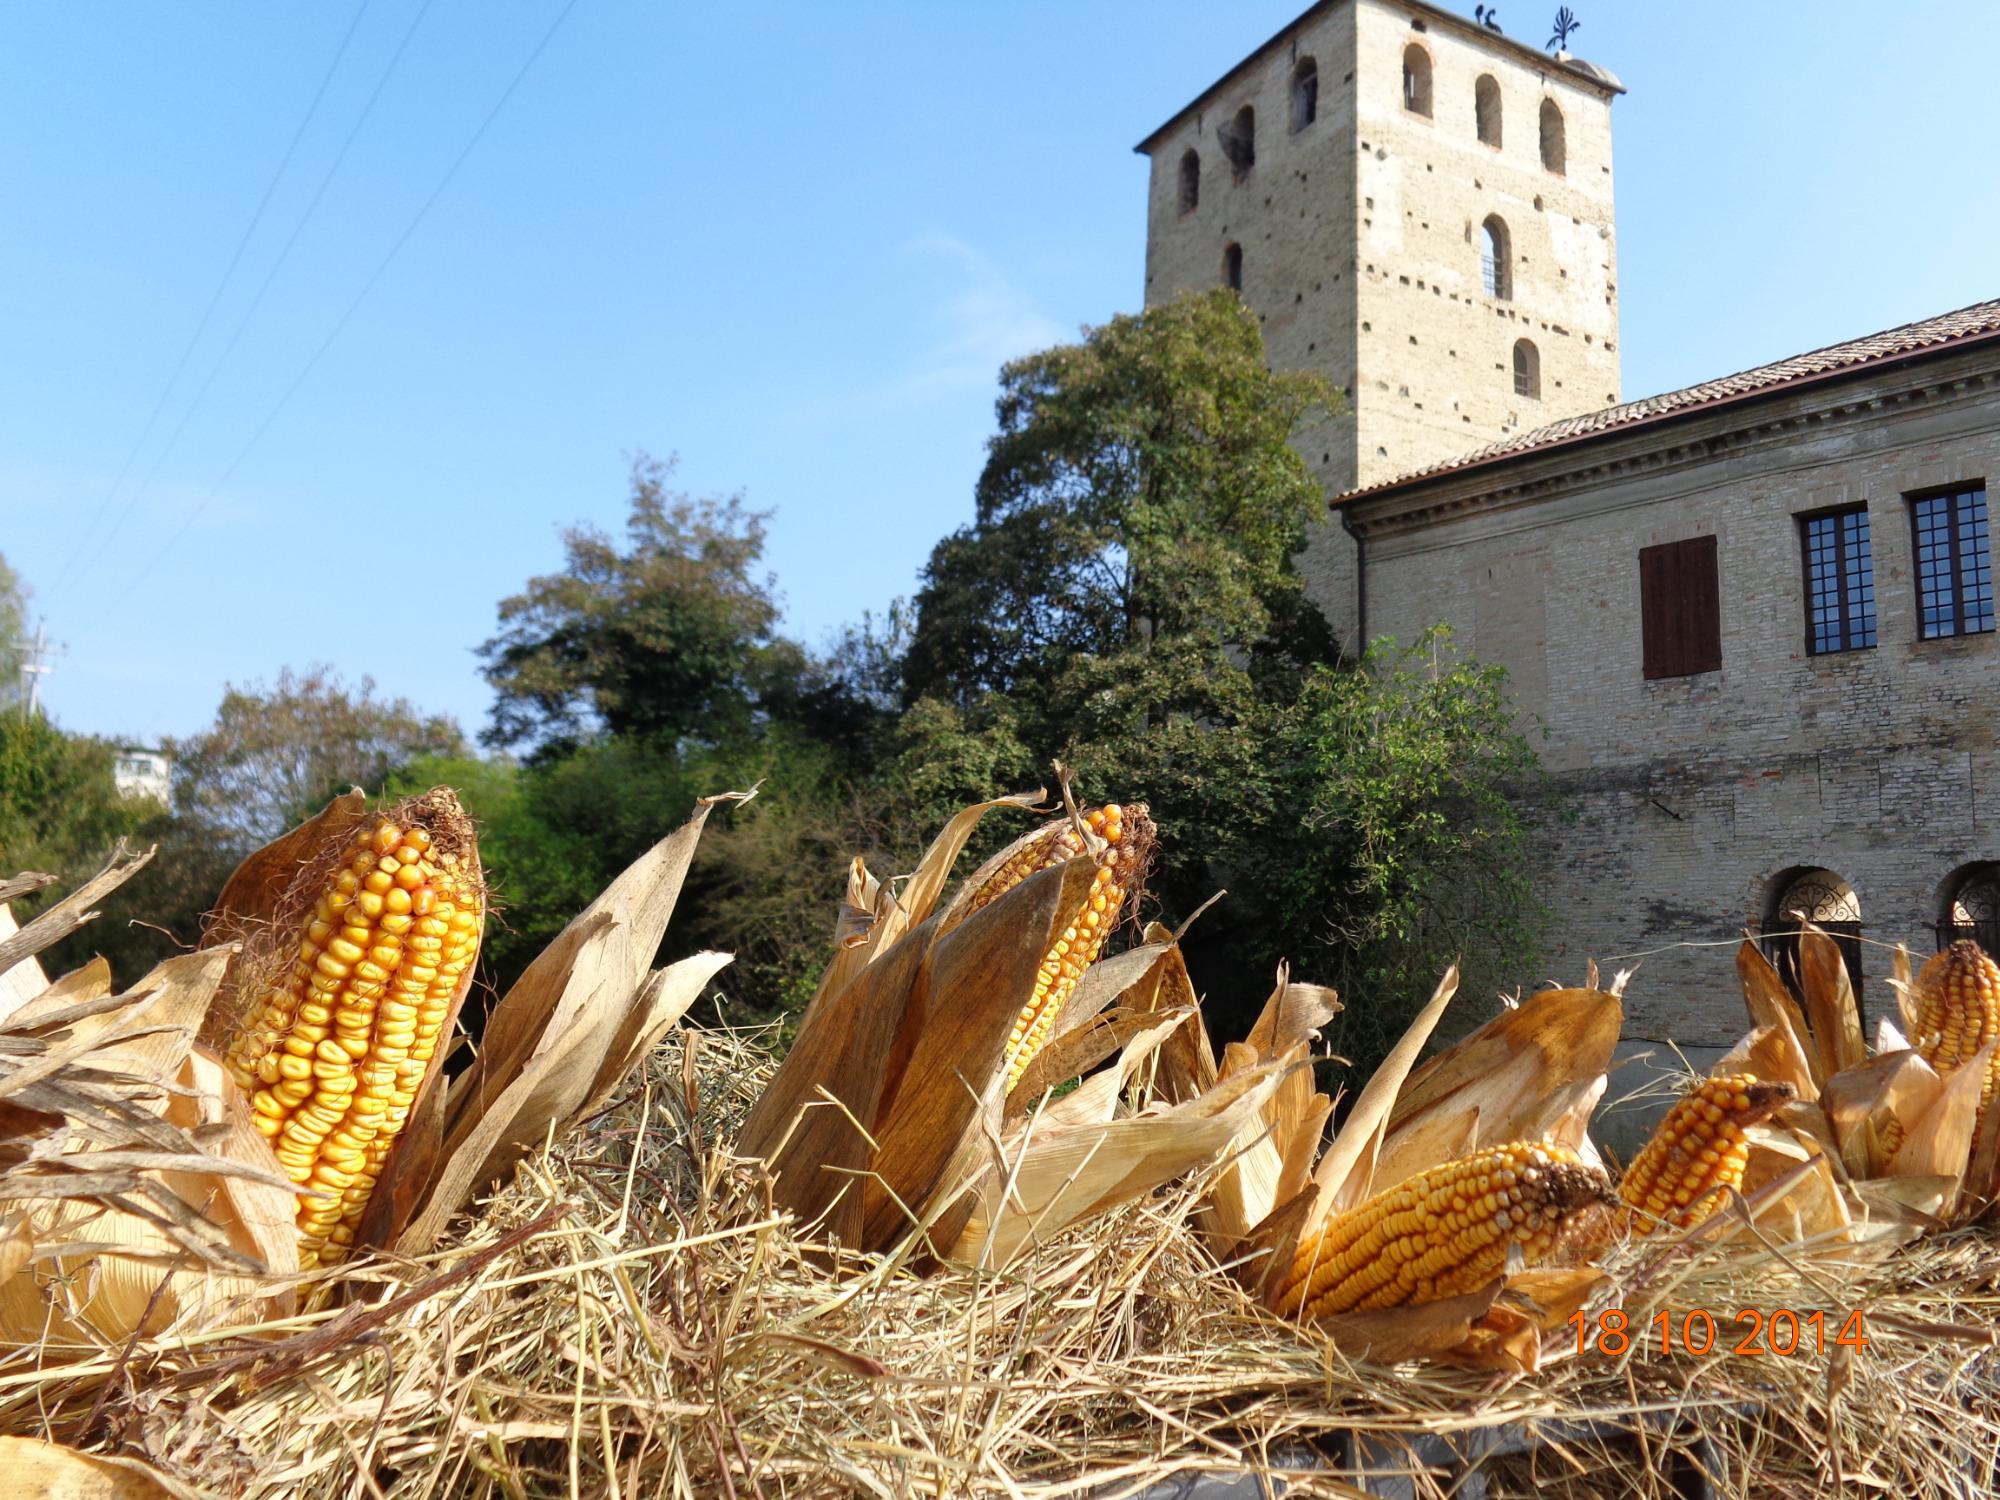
<point>982,323</point>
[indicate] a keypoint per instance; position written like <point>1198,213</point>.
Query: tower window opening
<point>1232,268</point>
<point>1305,93</point>
<point>1416,80</point>
<point>1554,148</point>
<point>1486,108</point>
<point>1190,182</point>
<point>1527,370</point>
<point>1495,260</point>
<point>1239,142</point>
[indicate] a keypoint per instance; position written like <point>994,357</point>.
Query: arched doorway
<point>1969,906</point>
<point>1826,900</point>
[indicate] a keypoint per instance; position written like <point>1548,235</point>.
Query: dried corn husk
<point>134,1196</point>
<point>571,1029</point>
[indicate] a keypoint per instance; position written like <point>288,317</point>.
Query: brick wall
<point>1693,795</point>
<point>1361,246</point>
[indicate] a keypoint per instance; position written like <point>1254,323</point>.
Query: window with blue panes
<point>1840,582</point>
<point>1954,562</point>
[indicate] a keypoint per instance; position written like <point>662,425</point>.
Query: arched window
<point>1496,274</point>
<point>1486,108</point>
<point>1527,370</point>
<point>1969,906</point>
<point>1232,268</point>
<point>1806,893</point>
<point>1305,93</point>
<point>1239,142</point>
<point>1416,80</point>
<point>1190,182</point>
<point>1555,154</point>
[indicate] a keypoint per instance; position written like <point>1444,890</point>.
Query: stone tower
<point>1417,207</point>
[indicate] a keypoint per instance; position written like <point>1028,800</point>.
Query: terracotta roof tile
<point>1966,322</point>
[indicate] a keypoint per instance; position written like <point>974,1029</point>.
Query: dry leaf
<point>50,1471</point>
<point>1346,1173</point>
<point>68,914</point>
<point>1057,1179</point>
<point>557,1045</point>
<point>1531,1073</point>
<point>1771,1004</point>
<point>1831,1009</point>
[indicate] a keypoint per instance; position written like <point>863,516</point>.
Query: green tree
<point>60,808</point>
<point>276,754</point>
<point>13,631</point>
<point>672,636</point>
<point>61,812</point>
<point>1142,492</point>
<point>1398,838</point>
<point>1125,600</point>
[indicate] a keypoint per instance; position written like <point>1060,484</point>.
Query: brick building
<point>1418,208</point>
<point>1751,622</point>
<point>1755,622</point>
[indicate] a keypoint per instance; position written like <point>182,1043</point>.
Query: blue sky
<point>790,243</point>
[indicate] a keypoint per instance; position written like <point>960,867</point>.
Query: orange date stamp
<point>1700,1331</point>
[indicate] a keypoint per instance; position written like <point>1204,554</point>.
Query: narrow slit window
<point>1840,582</point>
<point>1416,80</point>
<point>1232,268</point>
<point>1190,182</point>
<point>1527,370</point>
<point>1239,142</point>
<point>1954,563</point>
<point>1486,109</point>
<point>1495,273</point>
<point>1555,152</point>
<point>1305,94</point>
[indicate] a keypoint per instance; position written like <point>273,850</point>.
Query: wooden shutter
<point>1680,608</point>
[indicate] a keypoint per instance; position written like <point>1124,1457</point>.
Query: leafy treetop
<point>1142,488</point>
<point>673,635</point>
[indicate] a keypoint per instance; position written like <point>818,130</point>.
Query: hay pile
<point>626,1319</point>
<point>590,1276</point>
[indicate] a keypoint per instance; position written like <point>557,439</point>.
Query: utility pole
<point>36,663</point>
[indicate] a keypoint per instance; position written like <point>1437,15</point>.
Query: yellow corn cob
<point>1127,834</point>
<point>1958,1011</point>
<point>1697,1150</point>
<point>333,1049</point>
<point>1444,1232</point>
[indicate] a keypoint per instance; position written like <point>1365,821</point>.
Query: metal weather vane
<point>1566,25</point>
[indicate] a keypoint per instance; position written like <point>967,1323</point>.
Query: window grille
<point>1840,582</point>
<point>1972,907</point>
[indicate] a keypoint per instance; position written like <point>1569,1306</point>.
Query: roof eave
<point>1563,445</point>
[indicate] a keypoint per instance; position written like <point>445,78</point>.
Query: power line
<point>381,267</point>
<point>215,298</point>
<point>271,275</point>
